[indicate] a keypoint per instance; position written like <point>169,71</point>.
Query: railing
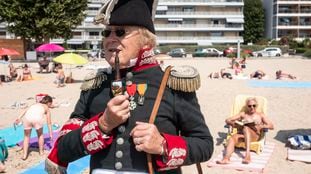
<point>200,13</point>
<point>207,1</point>
<point>288,24</point>
<point>305,11</point>
<point>288,11</point>
<point>91,12</point>
<point>96,1</point>
<point>198,38</point>
<point>93,37</point>
<point>196,26</point>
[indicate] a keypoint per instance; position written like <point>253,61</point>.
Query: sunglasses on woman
<point>118,32</point>
<point>252,106</point>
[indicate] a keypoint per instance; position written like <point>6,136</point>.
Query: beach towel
<point>14,134</point>
<point>3,150</point>
<point>300,142</point>
<point>279,84</point>
<point>75,167</point>
<point>299,155</point>
<point>48,144</point>
<point>258,161</point>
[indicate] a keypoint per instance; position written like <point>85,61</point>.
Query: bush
<point>274,42</point>
<point>262,41</point>
<point>300,50</point>
<point>307,54</point>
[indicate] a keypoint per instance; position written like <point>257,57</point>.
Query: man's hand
<point>116,113</point>
<point>147,138</point>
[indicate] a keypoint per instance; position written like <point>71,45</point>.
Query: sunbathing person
<point>222,74</point>
<point>254,122</point>
<point>214,75</point>
<point>44,65</point>
<point>280,75</point>
<point>225,75</point>
<point>25,74</point>
<point>259,74</point>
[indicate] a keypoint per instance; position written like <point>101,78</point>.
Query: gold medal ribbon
<point>142,88</point>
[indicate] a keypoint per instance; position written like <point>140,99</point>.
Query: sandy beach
<point>288,107</point>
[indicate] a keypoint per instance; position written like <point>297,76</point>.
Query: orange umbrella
<point>8,51</point>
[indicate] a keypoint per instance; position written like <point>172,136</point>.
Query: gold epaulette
<point>94,80</point>
<point>184,78</point>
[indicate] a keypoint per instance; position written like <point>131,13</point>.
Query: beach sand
<point>288,108</point>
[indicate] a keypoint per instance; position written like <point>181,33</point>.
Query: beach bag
<point>301,142</point>
<point>3,150</point>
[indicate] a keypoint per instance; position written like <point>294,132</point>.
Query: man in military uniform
<point>110,120</point>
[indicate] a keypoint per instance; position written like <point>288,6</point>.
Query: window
<point>216,33</point>
<point>93,8</point>
<point>76,33</point>
<point>94,33</point>
<point>188,9</point>
<point>215,22</point>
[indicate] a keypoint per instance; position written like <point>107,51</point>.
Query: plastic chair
<point>239,106</point>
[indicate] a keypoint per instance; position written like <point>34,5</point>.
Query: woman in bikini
<point>34,117</point>
<point>254,122</point>
<point>25,75</point>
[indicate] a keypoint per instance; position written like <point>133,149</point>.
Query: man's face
<point>123,39</point>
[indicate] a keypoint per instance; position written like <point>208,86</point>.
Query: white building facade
<point>288,18</point>
<point>198,22</point>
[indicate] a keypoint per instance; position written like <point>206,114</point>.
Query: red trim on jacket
<point>70,125</point>
<point>93,138</point>
<point>176,153</point>
<point>145,59</point>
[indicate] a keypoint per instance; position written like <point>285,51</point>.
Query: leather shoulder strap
<point>160,94</point>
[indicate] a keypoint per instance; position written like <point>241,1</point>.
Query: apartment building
<point>87,35</point>
<point>288,18</point>
<point>199,22</point>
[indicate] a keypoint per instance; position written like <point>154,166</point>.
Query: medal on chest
<point>141,89</point>
<point>131,91</point>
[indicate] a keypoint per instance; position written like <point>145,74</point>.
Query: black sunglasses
<point>118,32</point>
<point>250,106</point>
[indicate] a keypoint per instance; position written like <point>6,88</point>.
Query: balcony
<point>92,38</point>
<point>198,40</point>
<point>197,15</point>
<point>91,12</point>
<point>198,27</point>
<point>96,1</point>
<point>292,1</point>
<point>90,25</point>
<point>202,2</point>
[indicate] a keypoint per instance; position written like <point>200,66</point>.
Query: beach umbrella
<point>49,47</point>
<point>8,51</point>
<point>71,59</point>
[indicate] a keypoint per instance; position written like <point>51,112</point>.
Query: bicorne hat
<point>128,12</point>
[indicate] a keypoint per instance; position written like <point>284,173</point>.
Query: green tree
<point>254,21</point>
<point>42,20</point>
